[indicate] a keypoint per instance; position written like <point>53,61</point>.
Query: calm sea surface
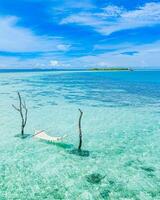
<point>121,132</point>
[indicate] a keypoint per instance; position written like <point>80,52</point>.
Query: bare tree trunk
<point>80,131</point>
<point>23,112</point>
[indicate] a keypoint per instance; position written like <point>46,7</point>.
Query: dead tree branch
<point>80,130</point>
<point>23,112</point>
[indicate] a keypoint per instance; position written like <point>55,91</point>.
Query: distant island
<point>112,69</point>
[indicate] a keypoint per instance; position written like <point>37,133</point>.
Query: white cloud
<point>113,18</point>
<point>147,56</point>
<point>62,47</point>
<point>17,39</point>
<point>112,11</point>
<point>71,5</point>
<point>82,19</point>
<point>54,63</point>
<point>14,63</point>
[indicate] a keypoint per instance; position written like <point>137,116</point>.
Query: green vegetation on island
<point>112,69</point>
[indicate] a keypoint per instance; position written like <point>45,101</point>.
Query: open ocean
<point>121,132</point>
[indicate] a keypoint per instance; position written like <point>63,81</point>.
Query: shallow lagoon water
<point>121,131</point>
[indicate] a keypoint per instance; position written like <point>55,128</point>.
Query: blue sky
<point>79,34</point>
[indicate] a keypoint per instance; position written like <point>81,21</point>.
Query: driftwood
<point>80,130</point>
<point>22,109</point>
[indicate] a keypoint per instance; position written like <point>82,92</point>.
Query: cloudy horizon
<point>90,33</point>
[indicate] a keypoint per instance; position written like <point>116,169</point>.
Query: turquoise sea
<point>121,133</point>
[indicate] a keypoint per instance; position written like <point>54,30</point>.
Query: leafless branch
<point>16,108</point>
<point>23,112</point>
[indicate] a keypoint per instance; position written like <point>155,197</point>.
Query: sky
<point>79,34</point>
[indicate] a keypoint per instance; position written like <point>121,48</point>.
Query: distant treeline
<point>111,69</point>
